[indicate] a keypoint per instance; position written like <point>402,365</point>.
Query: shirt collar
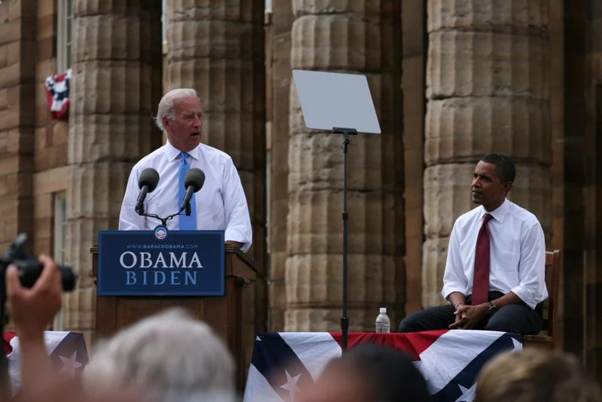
<point>499,213</point>
<point>172,152</point>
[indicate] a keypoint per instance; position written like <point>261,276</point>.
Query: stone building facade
<point>451,81</point>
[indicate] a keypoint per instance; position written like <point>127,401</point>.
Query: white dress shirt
<point>220,204</point>
<point>517,259</point>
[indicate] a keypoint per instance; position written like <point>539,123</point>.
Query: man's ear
<point>508,186</point>
<point>165,121</point>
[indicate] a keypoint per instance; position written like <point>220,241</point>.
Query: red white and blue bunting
<point>57,93</point>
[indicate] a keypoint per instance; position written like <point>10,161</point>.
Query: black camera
<point>30,268</point>
<point>29,271</point>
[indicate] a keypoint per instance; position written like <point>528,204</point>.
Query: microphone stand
<point>164,220</point>
<point>344,319</point>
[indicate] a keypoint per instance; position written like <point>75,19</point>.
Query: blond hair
<point>535,376</point>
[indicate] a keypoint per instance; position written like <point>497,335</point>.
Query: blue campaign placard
<point>161,263</point>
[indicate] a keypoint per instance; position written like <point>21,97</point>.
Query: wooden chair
<point>548,338</point>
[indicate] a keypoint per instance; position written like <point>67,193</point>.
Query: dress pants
<point>517,318</point>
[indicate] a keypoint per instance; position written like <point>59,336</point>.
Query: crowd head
<point>172,356</point>
<point>534,376</point>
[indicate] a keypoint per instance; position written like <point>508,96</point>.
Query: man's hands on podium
<point>233,243</point>
<point>467,317</point>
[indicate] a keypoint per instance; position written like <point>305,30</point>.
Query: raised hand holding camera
<point>32,309</point>
<point>33,289</point>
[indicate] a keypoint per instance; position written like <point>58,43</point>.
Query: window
<point>64,35</point>
<point>60,234</point>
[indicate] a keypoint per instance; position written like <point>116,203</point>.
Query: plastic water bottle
<point>383,323</point>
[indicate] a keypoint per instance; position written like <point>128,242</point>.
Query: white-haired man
<point>220,204</point>
<point>167,357</point>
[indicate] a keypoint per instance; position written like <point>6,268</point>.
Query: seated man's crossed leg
<point>514,318</point>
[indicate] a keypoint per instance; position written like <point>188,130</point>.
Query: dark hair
<point>393,374</point>
<point>504,166</point>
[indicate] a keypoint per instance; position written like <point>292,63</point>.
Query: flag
<point>284,363</point>
<point>67,352</point>
<point>57,93</point>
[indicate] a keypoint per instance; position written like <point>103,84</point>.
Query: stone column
<point>217,47</point>
<point>357,36</point>
<point>488,91</point>
<point>592,193</point>
<point>282,22</point>
<point>18,52</point>
<point>413,16</point>
<point>571,149</point>
<point>116,89</point>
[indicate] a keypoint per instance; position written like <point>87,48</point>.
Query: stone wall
<point>282,21</point>
<point>18,54</point>
<point>50,157</point>
<point>413,83</point>
<point>116,87</point>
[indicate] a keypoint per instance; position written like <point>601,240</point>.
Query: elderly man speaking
<point>220,204</point>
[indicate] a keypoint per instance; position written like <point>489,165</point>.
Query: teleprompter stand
<point>341,104</point>
<point>345,319</point>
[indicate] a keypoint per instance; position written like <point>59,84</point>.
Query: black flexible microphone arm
<point>164,220</point>
<point>140,202</point>
<point>193,183</point>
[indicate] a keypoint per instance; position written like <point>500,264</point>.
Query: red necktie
<point>480,286</point>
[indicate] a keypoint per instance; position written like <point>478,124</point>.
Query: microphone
<point>147,182</point>
<point>193,182</point>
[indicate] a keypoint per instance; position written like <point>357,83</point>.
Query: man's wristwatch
<point>492,307</point>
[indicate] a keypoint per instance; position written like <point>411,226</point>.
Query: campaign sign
<point>161,263</point>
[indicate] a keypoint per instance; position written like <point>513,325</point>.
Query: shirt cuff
<point>525,295</point>
<point>451,288</point>
<point>238,236</point>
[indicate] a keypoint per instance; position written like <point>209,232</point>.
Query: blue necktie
<point>186,222</point>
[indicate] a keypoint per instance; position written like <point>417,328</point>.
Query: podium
<point>225,314</point>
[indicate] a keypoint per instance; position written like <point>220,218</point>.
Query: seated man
<point>495,270</point>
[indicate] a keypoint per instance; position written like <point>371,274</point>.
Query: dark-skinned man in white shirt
<point>495,270</point>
